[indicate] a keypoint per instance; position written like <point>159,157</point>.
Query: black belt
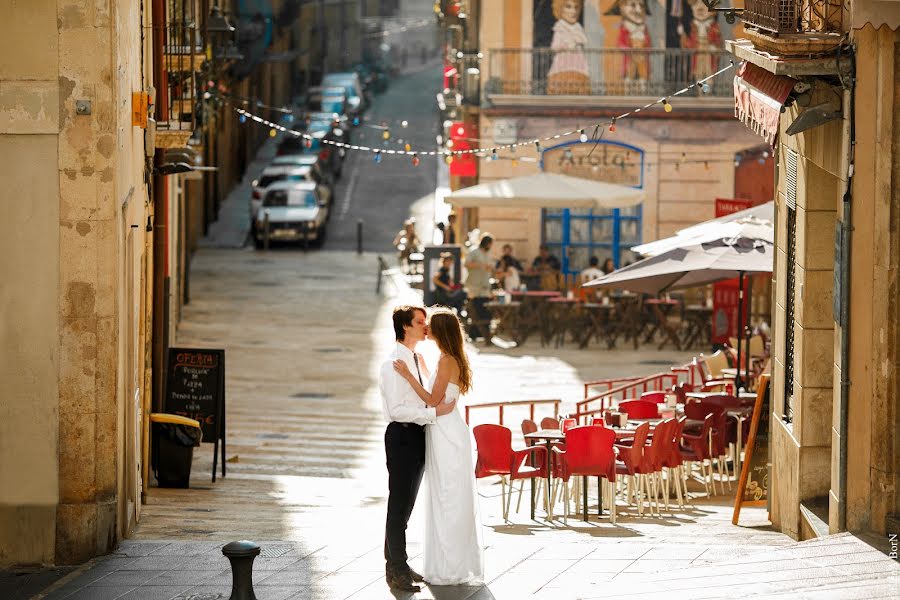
<point>403,424</point>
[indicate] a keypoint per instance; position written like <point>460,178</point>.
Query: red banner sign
<point>725,293</point>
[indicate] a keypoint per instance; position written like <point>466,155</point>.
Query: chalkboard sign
<point>195,388</point>
<point>753,487</point>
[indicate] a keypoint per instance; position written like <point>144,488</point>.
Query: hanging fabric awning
<point>759,97</point>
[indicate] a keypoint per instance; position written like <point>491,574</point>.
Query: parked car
<point>321,132</point>
<point>330,99</point>
<point>348,80</point>
<point>295,212</point>
<point>289,173</point>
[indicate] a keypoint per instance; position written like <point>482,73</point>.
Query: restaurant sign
<point>610,162</point>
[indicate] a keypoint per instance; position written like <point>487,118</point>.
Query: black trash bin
<point>174,438</point>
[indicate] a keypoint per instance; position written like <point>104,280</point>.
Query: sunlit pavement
<point>304,335</point>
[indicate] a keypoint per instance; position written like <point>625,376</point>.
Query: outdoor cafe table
<point>660,308</point>
<point>531,314</point>
<point>698,320</point>
<point>628,314</point>
<point>551,436</point>
<point>559,317</point>
<point>509,317</point>
<point>598,324</point>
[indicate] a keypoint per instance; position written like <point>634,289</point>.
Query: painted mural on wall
<point>613,46</point>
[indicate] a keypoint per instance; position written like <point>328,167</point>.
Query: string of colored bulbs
<point>702,84</point>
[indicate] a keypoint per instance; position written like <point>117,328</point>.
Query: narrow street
<point>304,335</point>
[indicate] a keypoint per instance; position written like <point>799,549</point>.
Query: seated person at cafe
<point>446,292</point>
<point>590,274</point>
<point>547,267</point>
<point>608,266</point>
<point>508,256</point>
<point>508,270</point>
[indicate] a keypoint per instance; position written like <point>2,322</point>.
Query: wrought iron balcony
<point>650,72</point>
<point>780,17</point>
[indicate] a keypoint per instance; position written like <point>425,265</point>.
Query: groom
<point>404,442</point>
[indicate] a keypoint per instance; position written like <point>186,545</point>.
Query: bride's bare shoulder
<point>448,363</point>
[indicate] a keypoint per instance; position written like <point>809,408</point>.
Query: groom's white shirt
<point>399,400</point>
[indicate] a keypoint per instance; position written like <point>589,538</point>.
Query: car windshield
<point>298,198</point>
<point>267,180</point>
<point>298,177</point>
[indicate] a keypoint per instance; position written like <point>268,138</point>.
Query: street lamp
<point>220,36</point>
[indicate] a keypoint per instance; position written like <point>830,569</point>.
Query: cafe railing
<point>501,406</point>
<point>630,389</point>
<point>605,71</point>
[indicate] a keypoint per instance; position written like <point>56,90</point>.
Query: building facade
<point>76,274</point>
<point>834,423</point>
<point>623,56</point>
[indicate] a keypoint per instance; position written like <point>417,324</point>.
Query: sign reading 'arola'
<point>601,161</point>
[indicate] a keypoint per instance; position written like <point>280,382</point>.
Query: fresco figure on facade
<point>568,72</point>
<point>633,35</point>
<point>704,35</point>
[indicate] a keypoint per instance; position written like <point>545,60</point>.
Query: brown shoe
<point>402,582</point>
<point>415,576</point>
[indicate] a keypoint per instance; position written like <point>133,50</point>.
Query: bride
<point>453,544</point>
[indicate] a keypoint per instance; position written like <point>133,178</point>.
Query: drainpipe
<point>160,327</point>
<point>849,145</point>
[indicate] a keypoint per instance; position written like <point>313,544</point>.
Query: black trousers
<point>404,446</point>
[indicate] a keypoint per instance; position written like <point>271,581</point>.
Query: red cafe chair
<point>496,457</point>
<point>696,449</point>
<point>639,409</point>
<point>589,452</point>
<point>549,423</point>
<point>657,397</point>
<point>673,462</point>
<point>697,410</point>
<point>631,453</point>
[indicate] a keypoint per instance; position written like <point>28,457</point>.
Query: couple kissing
<point>427,435</point>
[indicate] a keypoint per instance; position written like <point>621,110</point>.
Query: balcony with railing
<point>607,76</point>
<point>794,27</point>
<point>183,57</point>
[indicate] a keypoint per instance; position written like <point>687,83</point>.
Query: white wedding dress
<point>453,540</point>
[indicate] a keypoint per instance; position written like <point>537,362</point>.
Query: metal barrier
<point>502,405</point>
<point>655,382</point>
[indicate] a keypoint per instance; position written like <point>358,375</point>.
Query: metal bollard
<point>359,236</point>
<point>241,555</point>
<point>266,230</point>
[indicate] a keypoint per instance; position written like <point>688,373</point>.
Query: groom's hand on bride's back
<point>444,409</point>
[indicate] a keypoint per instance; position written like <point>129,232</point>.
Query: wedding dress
<point>453,540</point>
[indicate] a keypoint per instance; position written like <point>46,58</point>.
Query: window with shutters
<point>790,200</point>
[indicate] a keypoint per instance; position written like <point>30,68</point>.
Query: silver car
<point>292,212</point>
<point>290,173</point>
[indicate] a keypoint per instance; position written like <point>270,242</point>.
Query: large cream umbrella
<point>546,190</point>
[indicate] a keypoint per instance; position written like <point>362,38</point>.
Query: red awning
<point>759,97</point>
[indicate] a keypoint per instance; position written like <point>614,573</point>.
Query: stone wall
<point>74,189</point>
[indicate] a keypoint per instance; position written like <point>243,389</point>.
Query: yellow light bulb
<point>272,133</point>
<point>667,107</point>
<point>408,147</point>
<point>386,135</point>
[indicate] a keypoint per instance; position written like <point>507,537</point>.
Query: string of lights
<point>492,151</point>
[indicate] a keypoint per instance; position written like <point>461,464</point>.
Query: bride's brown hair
<point>446,330</point>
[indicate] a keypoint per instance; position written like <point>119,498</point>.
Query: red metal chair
<point>639,409</point>
<point>673,461</point>
<point>497,457</point>
<point>631,454</point>
<point>697,448</point>
<point>697,410</point>
<point>589,452</point>
<point>657,397</point>
<point>549,423</point>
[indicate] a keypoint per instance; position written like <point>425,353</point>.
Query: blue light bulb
<point>378,157</point>
<point>243,118</point>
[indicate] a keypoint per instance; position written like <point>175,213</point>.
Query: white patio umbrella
<point>546,190</point>
<point>746,227</point>
<point>695,265</point>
